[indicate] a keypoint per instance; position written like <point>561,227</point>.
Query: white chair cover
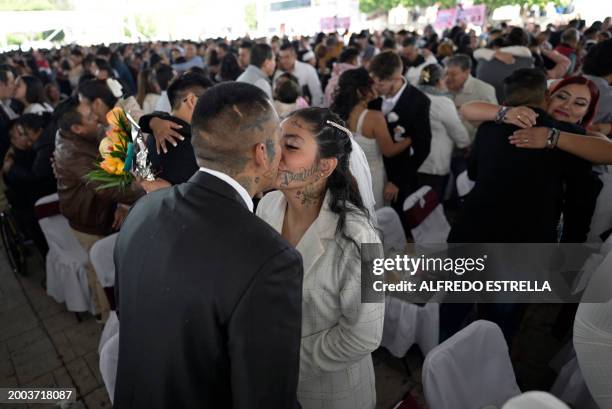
<point>101,255</point>
<point>602,216</point>
<point>109,357</point>
<point>464,184</point>
<point>571,388</point>
<point>394,238</point>
<point>66,262</point>
<point>111,327</point>
<point>593,337</point>
<point>407,324</point>
<point>470,370</point>
<point>434,228</point>
<point>535,400</point>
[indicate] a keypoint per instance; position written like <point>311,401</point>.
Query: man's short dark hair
<point>260,53</point>
<point>186,83</point>
<point>525,86</point>
<point>463,61</point>
<point>598,61</point>
<point>4,70</point>
<point>66,114</point>
<point>409,42</point>
<point>348,54</point>
<point>103,51</point>
<point>517,36</point>
<point>287,46</point>
<point>385,64</point>
<point>225,125</point>
<point>246,44</point>
<point>388,43</point>
<point>94,89</point>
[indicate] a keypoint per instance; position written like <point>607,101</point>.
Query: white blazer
<point>338,331</point>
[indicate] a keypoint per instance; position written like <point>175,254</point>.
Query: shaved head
<point>228,121</point>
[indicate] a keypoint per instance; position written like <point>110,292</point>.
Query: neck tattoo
<point>308,196</point>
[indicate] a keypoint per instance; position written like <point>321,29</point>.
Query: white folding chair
<point>593,336</point>
<point>470,370</point>
<point>535,400</point>
<point>394,238</point>
<point>464,184</point>
<point>66,260</point>
<point>570,386</point>
<point>407,324</point>
<point>109,357</point>
<point>101,256</point>
<point>602,215</point>
<point>426,217</point>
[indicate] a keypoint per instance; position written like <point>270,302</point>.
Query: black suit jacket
<point>209,300</point>
<point>5,139</point>
<point>412,108</point>
<point>179,164</point>
<point>520,193</point>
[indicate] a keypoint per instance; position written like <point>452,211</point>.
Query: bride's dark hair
<point>353,86</point>
<point>335,143</point>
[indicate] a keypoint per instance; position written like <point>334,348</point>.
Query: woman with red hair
<point>572,100</point>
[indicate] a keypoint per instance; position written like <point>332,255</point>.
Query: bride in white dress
<point>350,102</point>
<point>318,209</point>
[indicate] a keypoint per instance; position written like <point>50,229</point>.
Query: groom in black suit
<point>407,112</point>
<point>209,296</point>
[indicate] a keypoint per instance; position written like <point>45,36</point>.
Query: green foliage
<point>250,16</point>
<point>370,6</point>
<point>146,25</point>
<point>34,5</point>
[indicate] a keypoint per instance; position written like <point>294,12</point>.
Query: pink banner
<point>475,15</point>
<point>447,18</point>
<point>334,23</point>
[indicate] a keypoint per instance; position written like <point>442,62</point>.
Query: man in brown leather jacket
<point>92,214</point>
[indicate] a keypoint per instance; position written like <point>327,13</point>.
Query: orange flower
<point>116,115</point>
<point>112,165</point>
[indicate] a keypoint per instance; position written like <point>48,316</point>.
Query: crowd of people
<point>331,129</point>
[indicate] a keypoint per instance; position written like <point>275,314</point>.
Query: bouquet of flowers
<point>115,168</point>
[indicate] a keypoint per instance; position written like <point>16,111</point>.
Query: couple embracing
<point>222,308</point>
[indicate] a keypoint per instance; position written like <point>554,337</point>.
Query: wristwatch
<point>501,114</point>
<point>553,138</point>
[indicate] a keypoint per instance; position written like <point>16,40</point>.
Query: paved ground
<point>43,345</point>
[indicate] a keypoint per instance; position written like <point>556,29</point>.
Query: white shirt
<point>6,105</point>
<point>389,103</point>
<point>38,108</point>
<point>232,182</point>
<point>163,103</point>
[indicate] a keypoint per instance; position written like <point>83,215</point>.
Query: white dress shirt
<point>232,182</point>
<point>6,105</point>
<point>389,103</point>
<point>163,103</point>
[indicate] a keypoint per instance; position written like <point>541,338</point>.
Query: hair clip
<point>338,126</point>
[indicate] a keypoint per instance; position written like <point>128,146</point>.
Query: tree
<point>34,5</point>
<point>250,16</point>
<point>369,6</point>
